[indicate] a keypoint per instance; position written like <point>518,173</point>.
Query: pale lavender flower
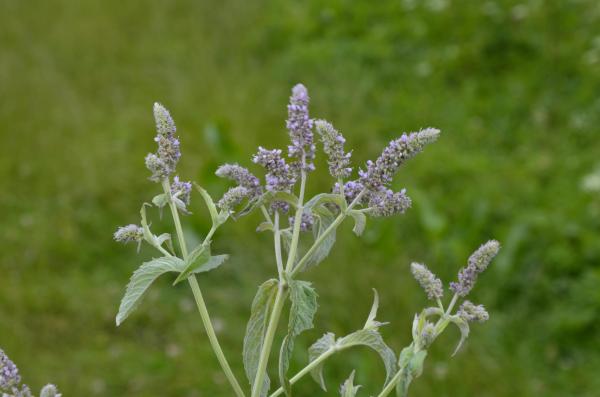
<point>380,172</point>
<point>333,145</point>
<point>428,281</point>
<point>163,163</point>
<point>306,223</point>
<point>128,234</point>
<point>242,177</point>
<point>477,263</point>
<point>428,334</point>
<point>9,373</point>
<point>351,191</point>
<point>181,190</point>
<point>300,126</point>
<point>468,311</point>
<point>386,202</point>
<point>232,198</point>
<point>280,177</point>
<point>23,391</point>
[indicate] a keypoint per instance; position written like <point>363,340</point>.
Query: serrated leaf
<point>210,204</point>
<point>325,218</point>
<point>256,328</point>
<point>463,326</point>
<point>265,226</point>
<point>197,258</point>
<point>320,347</point>
<point>373,339</point>
<point>160,200</point>
<point>348,389</point>
<point>142,278</point>
<point>302,311</point>
<point>360,221</point>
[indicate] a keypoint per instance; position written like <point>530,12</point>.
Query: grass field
<point>514,87</point>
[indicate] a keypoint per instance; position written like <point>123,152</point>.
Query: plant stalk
<point>210,331</point>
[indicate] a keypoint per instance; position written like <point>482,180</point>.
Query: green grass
<point>512,85</point>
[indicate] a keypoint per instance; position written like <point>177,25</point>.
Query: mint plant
<point>304,232</point>
<point>11,385</point>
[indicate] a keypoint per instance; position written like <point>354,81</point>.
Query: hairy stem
<point>306,370</point>
<point>277,243</point>
<point>280,297</point>
<point>210,331</point>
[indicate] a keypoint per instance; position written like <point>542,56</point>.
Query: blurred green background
<point>513,85</point>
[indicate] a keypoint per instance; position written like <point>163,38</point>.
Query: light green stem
<point>306,370</point>
<point>279,298</point>
<point>210,331</point>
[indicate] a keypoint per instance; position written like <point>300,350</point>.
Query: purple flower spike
<point>387,203</point>
<point>280,177</point>
<point>181,190</point>
<point>477,263</point>
<point>333,145</point>
<point>9,373</point>
<point>163,163</point>
<point>242,177</point>
<point>380,172</point>
<point>300,126</point>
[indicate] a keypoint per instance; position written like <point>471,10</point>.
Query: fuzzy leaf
<point>360,221</point>
<point>321,346</point>
<point>256,328</point>
<point>198,257</point>
<point>324,198</point>
<point>348,389</point>
<point>160,200</point>
<point>463,326</point>
<point>325,219</point>
<point>371,323</point>
<point>142,278</point>
<point>302,312</point>
<point>264,226</point>
<point>371,338</point>
<point>212,208</point>
<point>289,198</point>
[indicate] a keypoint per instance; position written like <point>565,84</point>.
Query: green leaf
<point>302,311</point>
<point>264,226</point>
<point>320,347</point>
<point>371,323</point>
<point>324,219</point>
<point>256,328</point>
<point>411,365</point>
<point>360,221</point>
<point>289,198</point>
<point>416,363</point>
<point>324,198</point>
<point>142,278</point>
<point>348,389</point>
<point>198,257</point>
<point>160,200</point>
<point>373,339</point>
<point>212,208</point>
<point>463,326</point>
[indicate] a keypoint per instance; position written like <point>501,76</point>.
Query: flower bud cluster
<point>232,198</point>
<point>333,145</point>
<point>468,311</point>
<point>300,127</point>
<point>306,223</point>
<point>164,161</point>
<point>242,177</point>
<point>477,263</point>
<point>129,234</point>
<point>428,281</point>
<point>181,190</point>
<point>386,202</point>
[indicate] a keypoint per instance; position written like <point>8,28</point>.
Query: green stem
<point>279,298</point>
<point>392,383</point>
<point>277,242</point>
<point>210,331</point>
<point>306,370</point>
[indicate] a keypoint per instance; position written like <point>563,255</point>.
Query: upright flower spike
<point>428,281</point>
<point>387,202</point>
<point>380,172</point>
<point>468,311</point>
<point>333,145</point>
<point>163,163</point>
<point>242,177</point>
<point>280,177</point>
<point>300,127</point>
<point>477,263</point>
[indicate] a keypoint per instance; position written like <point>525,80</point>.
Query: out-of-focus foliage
<point>513,85</point>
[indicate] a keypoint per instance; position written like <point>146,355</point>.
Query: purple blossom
<point>386,202</point>
<point>477,263</point>
<point>9,373</point>
<point>242,177</point>
<point>333,145</point>
<point>163,163</point>
<point>351,191</point>
<point>380,172</point>
<point>300,126</point>
<point>181,190</point>
<point>306,223</point>
<point>280,177</point>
